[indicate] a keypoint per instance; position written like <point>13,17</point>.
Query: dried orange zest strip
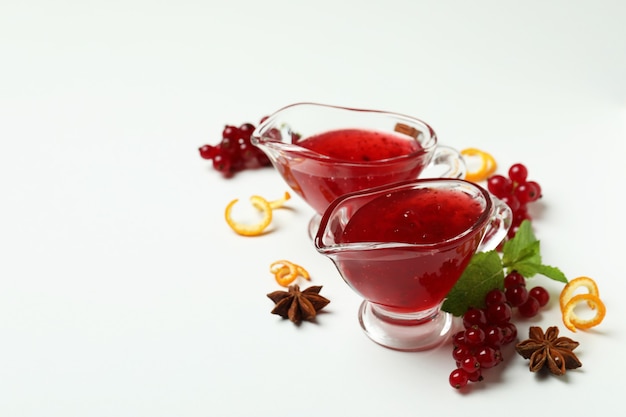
<point>250,229</point>
<point>286,272</point>
<point>274,203</point>
<point>572,321</point>
<point>279,202</point>
<point>568,291</point>
<point>487,165</point>
<point>285,276</point>
<point>303,272</point>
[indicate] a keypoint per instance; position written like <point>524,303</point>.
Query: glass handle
<point>499,226</point>
<point>449,159</point>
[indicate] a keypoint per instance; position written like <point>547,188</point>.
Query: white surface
<point>124,293</point>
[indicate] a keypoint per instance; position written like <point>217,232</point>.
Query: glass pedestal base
<point>405,332</point>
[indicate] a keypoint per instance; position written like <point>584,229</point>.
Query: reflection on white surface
<point>124,293</point>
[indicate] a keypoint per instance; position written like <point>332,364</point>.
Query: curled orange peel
<point>568,291</point>
<point>286,272</point>
<point>487,165</point>
<point>303,273</point>
<point>250,229</point>
<point>260,204</point>
<point>569,301</point>
<point>274,204</point>
<point>573,321</point>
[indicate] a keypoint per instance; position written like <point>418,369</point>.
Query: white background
<point>124,293</point>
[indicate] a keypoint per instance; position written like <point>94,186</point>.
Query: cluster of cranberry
<point>516,191</point>
<point>486,330</point>
<point>235,152</point>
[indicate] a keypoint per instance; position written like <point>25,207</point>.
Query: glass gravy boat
<point>360,149</point>
<point>402,248</point>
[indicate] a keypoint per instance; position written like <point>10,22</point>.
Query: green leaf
<point>530,253</point>
<point>530,269</point>
<point>527,269</point>
<point>523,254</point>
<point>524,246</point>
<point>486,271</point>
<point>552,273</point>
<point>483,274</point>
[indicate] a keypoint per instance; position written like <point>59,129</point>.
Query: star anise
<point>297,305</point>
<point>549,350</point>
